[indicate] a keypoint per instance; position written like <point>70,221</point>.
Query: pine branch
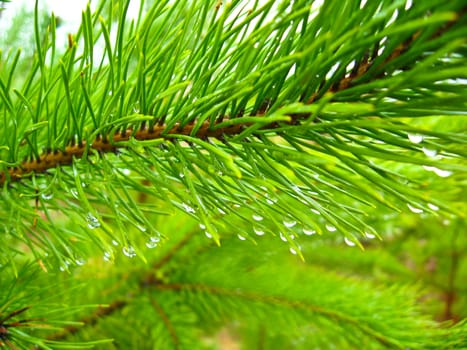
<point>23,326</point>
<point>90,320</point>
<point>228,290</point>
<point>281,302</point>
<point>221,128</point>
<point>202,276</point>
<point>167,322</point>
<point>146,281</point>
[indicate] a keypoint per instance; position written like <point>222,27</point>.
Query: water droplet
<point>271,201</point>
<point>316,211</point>
<point>333,70</point>
<point>258,231</point>
<point>414,210</point>
<point>153,242</point>
<point>126,172</point>
<point>114,242</point>
<point>430,152</point>
<point>289,223</point>
<point>181,175</point>
<point>293,251</point>
<point>257,217</point>
<point>208,235</point>
<point>92,221</point>
<point>297,189</point>
<point>129,251</point>
<point>439,172</point>
<point>442,173</point>
<point>221,211</point>
<point>80,261</point>
<point>107,256</point>
<point>349,242</point>
<point>282,237</point>
<point>202,227</point>
<point>369,235</point>
<point>236,206</point>
<point>308,232</point>
<point>47,196</point>
<point>446,222</point>
<point>65,266</point>
<point>415,138</point>
<point>136,108</point>
<point>240,237</point>
<point>433,207</point>
<point>330,228</point>
<point>188,209</point>
<point>74,193</point>
<point>141,228</point>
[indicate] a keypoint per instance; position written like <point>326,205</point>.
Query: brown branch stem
<point>90,320</point>
<point>102,312</point>
<point>168,324</point>
<point>49,160</point>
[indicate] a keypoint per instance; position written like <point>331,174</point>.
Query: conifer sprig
<point>239,111</point>
<point>283,300</point>
<point>223,126</point>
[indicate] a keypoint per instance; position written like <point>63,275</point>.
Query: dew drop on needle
<point>129,251</point>
<point>349,242</point>
<point>257,217</point>
<point>414,209</point>
<point>153,242</point>
<point>92,221</point>
<point>289,223</point>
<point>258,231</point>
<point>415,138</point>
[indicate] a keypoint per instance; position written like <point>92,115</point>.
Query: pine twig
<point>90,320</point>
<point>165,318</point>
<point>118,304</point>
<point>111,143</point>
<point>282,302</point>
